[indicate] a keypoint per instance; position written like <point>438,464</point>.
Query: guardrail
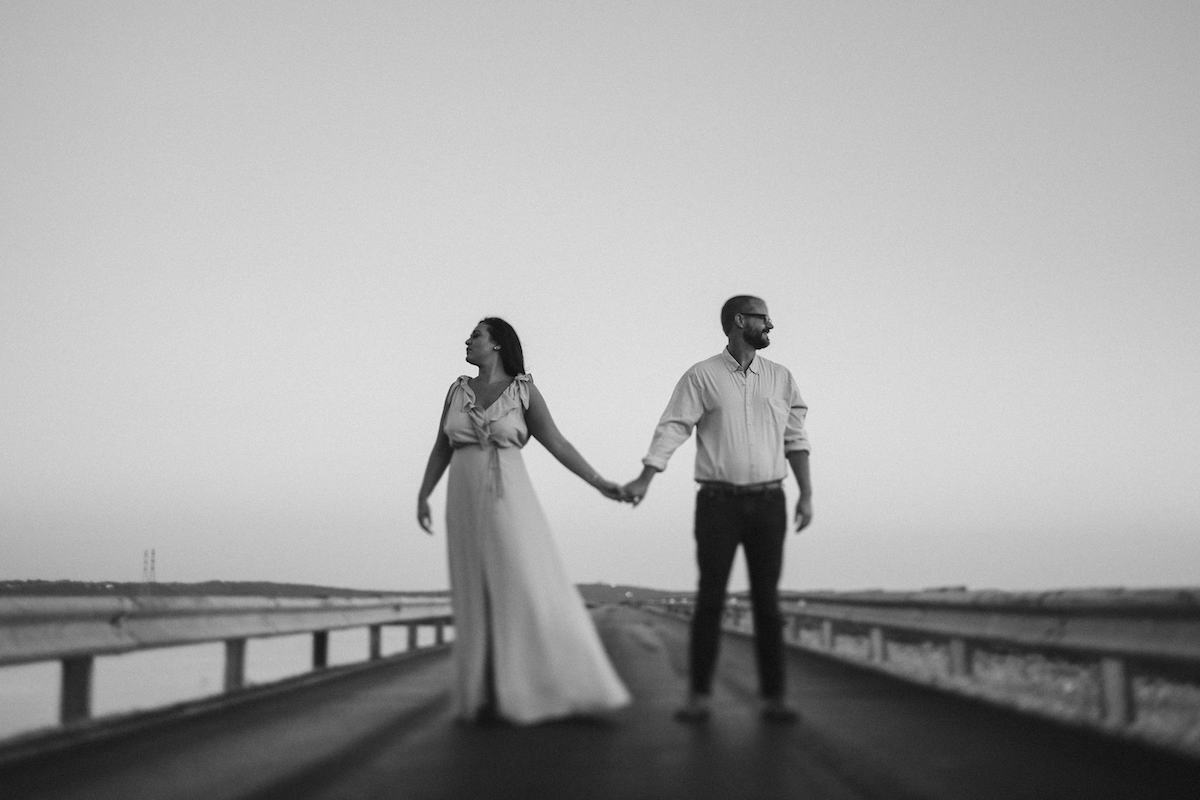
<point>74,630</point>
<point>1119,634</point>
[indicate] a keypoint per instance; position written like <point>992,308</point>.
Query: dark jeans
<point>758,522</point>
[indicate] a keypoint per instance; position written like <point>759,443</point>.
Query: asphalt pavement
<point>385,731</point>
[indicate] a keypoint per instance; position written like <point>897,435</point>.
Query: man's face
<point>756,325</point>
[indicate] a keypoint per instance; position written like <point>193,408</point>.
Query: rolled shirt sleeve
<point>683,411</point>
<point>795,437</point>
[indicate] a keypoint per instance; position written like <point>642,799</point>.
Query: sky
<point>242,245</point>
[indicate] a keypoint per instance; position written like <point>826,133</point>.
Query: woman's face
<point>480,345</point>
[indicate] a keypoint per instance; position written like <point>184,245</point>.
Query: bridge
<point>382,728</point>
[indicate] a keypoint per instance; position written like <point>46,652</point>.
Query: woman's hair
<point>511,355</point>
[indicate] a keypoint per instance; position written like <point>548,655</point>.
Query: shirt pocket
<point>778,411</point>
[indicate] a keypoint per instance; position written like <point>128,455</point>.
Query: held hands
<point>635,490</point>
<point>610,489</point>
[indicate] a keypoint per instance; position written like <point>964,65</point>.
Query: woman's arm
<point>542,428</point>
<point>439,459</point>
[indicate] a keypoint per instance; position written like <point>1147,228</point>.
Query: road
<point>385,731</point>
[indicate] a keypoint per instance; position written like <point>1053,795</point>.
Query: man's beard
<point>756,340</point>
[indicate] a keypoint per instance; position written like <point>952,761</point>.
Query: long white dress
<point>512,599</point>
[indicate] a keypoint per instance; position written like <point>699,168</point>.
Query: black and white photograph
<point>622,399</point>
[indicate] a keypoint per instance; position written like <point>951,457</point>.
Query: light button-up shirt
<point>745,420</point>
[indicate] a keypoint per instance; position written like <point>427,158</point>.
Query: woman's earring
<point>495,347</point>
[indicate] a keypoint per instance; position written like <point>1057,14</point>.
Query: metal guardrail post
<point>439,636</point>
<point>1117,701</point>
<point>375,646</point>
<point>878,646</point>
<point>962,658</point>
<point>235,664</point>
<point>412,636</point>
<point>320,649</point>
<point>827,634</point>
<point>76,697</point>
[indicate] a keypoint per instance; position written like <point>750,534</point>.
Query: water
<point>29,693</point>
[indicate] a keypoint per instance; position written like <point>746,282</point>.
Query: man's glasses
<point>766,318</point>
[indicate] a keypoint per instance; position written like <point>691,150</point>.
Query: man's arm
<point>682,413</point>
<point>804,513</point>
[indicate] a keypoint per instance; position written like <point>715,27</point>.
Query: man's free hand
<point>804,513</point>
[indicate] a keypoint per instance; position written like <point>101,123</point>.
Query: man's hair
<point>734,305</point>
<point>511,354</point>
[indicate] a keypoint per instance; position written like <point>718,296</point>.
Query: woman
<point>525,648</point>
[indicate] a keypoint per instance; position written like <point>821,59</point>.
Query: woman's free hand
<point>423,517</point>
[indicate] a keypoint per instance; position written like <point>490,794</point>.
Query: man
<point>749,421</point>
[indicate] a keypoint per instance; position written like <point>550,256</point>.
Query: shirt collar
<point>734,366</point>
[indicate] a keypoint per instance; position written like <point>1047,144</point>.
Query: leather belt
<point>738,489</point>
